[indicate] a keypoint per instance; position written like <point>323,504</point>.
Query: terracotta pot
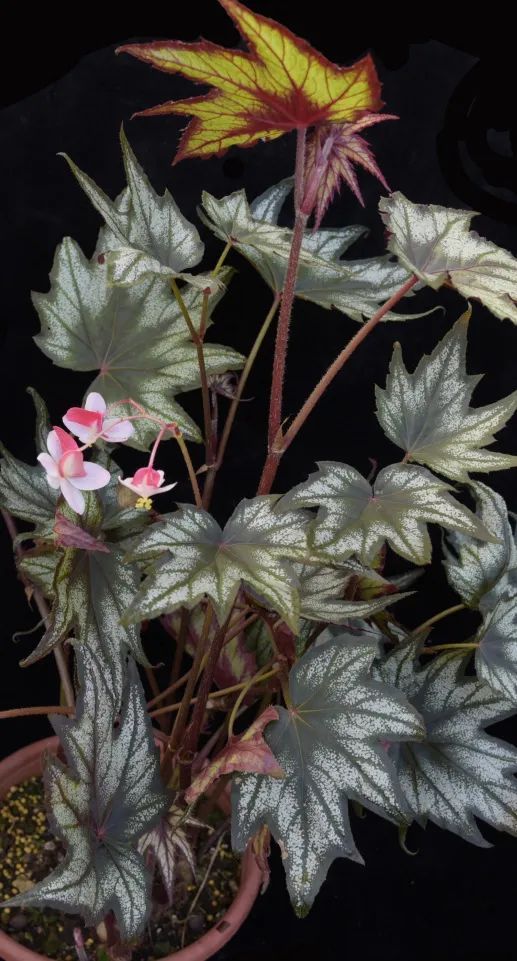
<point>27,763</point>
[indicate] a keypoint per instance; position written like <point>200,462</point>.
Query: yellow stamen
<point>144,503</point>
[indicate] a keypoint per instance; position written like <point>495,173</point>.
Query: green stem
<point>425,625</point>
<point>198,343</point>
<point>437,648</point>
<point>225,436</point>
<point>222,259</point>
<point>262,675</point>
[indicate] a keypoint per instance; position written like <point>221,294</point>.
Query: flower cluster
<point>67,470</point>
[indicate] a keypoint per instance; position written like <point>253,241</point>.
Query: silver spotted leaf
<point>355,288</point>
<point>328,746</point>
<point>355,517</point>
<point>24,493</point>
<point>193,557</point>
<point>479,571</point>
<point>428,413</point>
<point>101,803</point>
<point>167,843</point>
<point>323,595</point>
<point>148,234</point>
<point>437,244</point>
<point>496,654</point>
<point>458,773</point>
<point>134,338</point>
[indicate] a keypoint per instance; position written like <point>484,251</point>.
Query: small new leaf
<point>355,517</point>
<point>323,595</point>
<point>194,557</point>
<point>428,413</point>
<point>167,842</point>
<point>458,773</point>
<point>437,245</point>
<point>101,803</point>
<point>249,753</point>
<point>147,235</point>
<point>281,84</point>
<point>328,747</point>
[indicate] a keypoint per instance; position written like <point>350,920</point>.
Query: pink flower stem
<point>280,447</point>
<point>62,667</point>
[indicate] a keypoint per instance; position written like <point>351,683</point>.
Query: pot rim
<point>26,763</point>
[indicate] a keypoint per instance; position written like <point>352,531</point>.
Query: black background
<point>454,144</point>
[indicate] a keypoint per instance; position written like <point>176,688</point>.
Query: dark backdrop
<point>454,145</point>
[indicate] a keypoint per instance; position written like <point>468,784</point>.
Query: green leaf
<point>101,803</point>
<point>193,556</point>
<point>428,413</point>
<point>24,493</point>
<point>90,593</point>
<point>437,245</point>
<point>43,425</point>
<point>135,338</point>
<point>357,518</point>
<point>458,773</point>
<point>481,573</point>
<point>496,655</point>
<point>328,747</point>
<point>355,288</point>
<point>322,595</point>
<point>148,235</point>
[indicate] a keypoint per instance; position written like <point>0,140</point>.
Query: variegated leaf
<point>428,413</point>
<point>136,339</point>
<point>496,655</point>
<point>437,245</point>
<point>194,557</point>
<point>328,747</point>
<point>167,842</point>
<point>24,493</point>
<point>482,572</point>
<point>148,234</point>
<point>101,803</point>
<point>323,595</point>
<point>458,773</point>
<point>357,518</point>
<point>355,288</point>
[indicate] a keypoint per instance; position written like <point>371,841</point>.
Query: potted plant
<point>292,689</point>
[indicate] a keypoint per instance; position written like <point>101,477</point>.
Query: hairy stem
<point>280,446</point>
<point>43,608</point>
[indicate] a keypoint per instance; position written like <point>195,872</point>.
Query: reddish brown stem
<point>275,455</point>
<point>34,711</point>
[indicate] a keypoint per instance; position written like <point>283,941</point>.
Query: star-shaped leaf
<point>135,338</point>
<point>357,518</point>
<point>483,572</point>
<point>167,842</point>
<point>458,773</point>
<point>328,746</point>
<point>193,556</point>
<point>323,595</point>
<point>354,287</point>
<point>282,84</point>
<point>428,413</point>
<point>101,803</point>
<point>147,235</point>
<point>437,245</point>
<point>496,654</point>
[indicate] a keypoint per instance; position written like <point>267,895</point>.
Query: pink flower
<point>146,483</point>
<point>88,422</point>
<point>67,471</point>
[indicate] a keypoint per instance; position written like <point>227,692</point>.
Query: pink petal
<point>162,490</point>
<point>72,496</point>
<point>94,477</point>
<point>95,402</point>
<point>49,464</point>
<point>83,433</point>
<point>66,442</point>
<point>71,464</point>
<point>53,445</point>
<point>128,482</point>
<point>117,430</point>
<point>148,476</point>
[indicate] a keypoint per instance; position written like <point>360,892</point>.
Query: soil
<point>29,851</point>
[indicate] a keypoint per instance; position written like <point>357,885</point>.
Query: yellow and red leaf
<point>281,84</point>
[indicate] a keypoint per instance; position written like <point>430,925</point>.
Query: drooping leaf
<point>496,655</point>
<point>483,572</point>
<point>147,235</point>
<point>428,413</point>
<point>354,287</point>
<point>357,518</point>
<point>100,804</point>
<point>135,338</point>
<point>323,595</point>
<point>249,753</point>
<point>91,591</point>
<point>281,84</point>
<point>458,773</point>
<point>328,747</point>
<point>194,557</point>
<point>437,245</point>
<point>168,841</point>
